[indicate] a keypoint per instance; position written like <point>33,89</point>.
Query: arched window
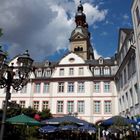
<point>96,71</point>
<point>106,71</point>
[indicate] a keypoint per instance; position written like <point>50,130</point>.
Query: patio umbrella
<point>68,119</point>
<point>87,128</point>
<point>68,127</point>
<point>118,120</point>
<point>114,130</point>
<point>48,129</point>
<point>23,120</point>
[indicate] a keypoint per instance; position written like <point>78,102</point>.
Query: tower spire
<point>80,36</point>
<point>80,17</point>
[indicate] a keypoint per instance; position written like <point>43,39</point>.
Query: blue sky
<point>44,27</point>
<point>105,37</point>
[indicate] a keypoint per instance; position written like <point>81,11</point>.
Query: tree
<point>29,111</point>
<point>45,114</point>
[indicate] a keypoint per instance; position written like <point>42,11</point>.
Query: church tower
<point>80,36</point>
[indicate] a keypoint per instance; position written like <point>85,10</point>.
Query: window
<point>126,95</point>
<point>24,89</point>
<point>22,104</point>
<point>136,88</point>
<point>81,87</point>
<point>36,105</point>
<point>133,64</point>
<point>125,76</point>
<point>136,93</point>
<point>81,106</point>
<point>37,87</point>
<point>61,72</point>
<point>96,71</point>
<point>129,70</point>
<point>100,60</point>
<point>60,106</point>
<point>71,71</point>
<point>106,71</point>
<point>39,73</point>
<point>106,86</point>
<point>70,87</point>
<point>46,87</point>
<point>107,106</point>
<point>138,15</point>
<point>45,105</point>
<point>13,101</point>
<point>70,106</point>
<point>97,106</point>
<point>81,71</point>
<point>120,105</point>
<point>131,97</point>
<point>61,87</point>
<point>96,86</point>
<point>47,73</point>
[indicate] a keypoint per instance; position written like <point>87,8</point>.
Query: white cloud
<point>97,55</point>
<point>43,26</point>
<point>94,14</point>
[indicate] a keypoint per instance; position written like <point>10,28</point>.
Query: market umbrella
<point>23,120</point>
<point>114,130</point>
<point>87,128</point>
<point>68,127</point>
<point>65,119</point>
<point>118,120</point>
<point>48,129</point>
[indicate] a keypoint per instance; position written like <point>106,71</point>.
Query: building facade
<point>81,85</point>
<point>126,76</point>
<point>135,11</point>
<point>78,84</point>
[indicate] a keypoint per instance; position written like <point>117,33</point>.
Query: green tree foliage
<point>45,114</point>
<point>11,112</point>
<point>29,111</point>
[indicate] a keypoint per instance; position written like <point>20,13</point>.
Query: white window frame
<point>107,106</point>
<point>106,86</point>
<point>60,106</point>
<point>45,105</point>
<point>61,87</point>
<point>70,87</point>
<point>81,87</point>
<point>81,106</point>
<point>46,87</point>
<point>97,106</point>
<point>70,106</point>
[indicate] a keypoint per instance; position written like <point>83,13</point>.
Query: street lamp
<point>13,76</point>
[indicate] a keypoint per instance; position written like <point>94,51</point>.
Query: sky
<point>44,26</point>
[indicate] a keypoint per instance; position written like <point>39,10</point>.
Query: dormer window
<point>39,73</point>
<point>97,71</point>
<point>100,60</point>
<point>106,71</point>
<point>47,63</point>
<point>47,72</point>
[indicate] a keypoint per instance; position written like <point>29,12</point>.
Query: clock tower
<point>80,36</point>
